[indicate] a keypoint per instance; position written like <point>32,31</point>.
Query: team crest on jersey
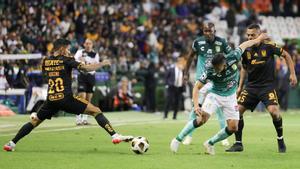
<point>218,49</point>
<point>264,53</point>
<point>248,55</point>
<point>234,67</point>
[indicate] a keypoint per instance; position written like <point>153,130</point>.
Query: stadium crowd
<point>131,33</point>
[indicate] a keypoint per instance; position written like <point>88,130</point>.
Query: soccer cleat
<point>225,143</point>
<point>174,145</point>
<point>209,149</point>
<point>10,146</point>
<point>118,138</point>
<point>188,140</point>
<point>236,147</point>
<point>281,146</point>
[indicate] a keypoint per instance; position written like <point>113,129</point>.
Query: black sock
<point>104,123</point>
<point>26,129</point>
<point>278,126</point>
<point>239,133</point>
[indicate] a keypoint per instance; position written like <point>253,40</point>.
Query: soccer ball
<point>140,145</point>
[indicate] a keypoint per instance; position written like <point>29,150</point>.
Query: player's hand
<point>263,36</point>
<point>106,62</point>
<point>293,80</point>
<point>197,110</point>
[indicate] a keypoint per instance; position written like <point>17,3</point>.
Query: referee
<point>86,80</point>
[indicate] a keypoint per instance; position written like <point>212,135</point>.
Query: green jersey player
<point>224,76</point>
<point>204,48</point>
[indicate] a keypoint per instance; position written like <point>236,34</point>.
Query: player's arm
<point>189,57</point>
<point>78,55</point>
<point>250,43</point>
<point>198,85</point>
<point>290,63</point>
<point>93,67</point>
<point>243,74</point>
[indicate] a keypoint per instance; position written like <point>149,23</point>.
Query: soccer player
<point>224,76</point>
<point>86,80</point>
<point>205,47</point>
<point>259,63</point>
<point>58,69</point>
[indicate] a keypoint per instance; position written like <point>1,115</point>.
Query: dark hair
<point>254,26</point>
<point>218,59</point>
<point>60,43</point>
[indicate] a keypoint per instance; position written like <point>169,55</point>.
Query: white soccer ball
<point>33,115</point>
<point>140,145</point>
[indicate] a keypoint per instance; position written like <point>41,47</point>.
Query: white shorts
<point>228,105</point>
<point>203,92</point>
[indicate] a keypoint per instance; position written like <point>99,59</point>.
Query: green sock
<point>221,135</point>
<point>221,118</point>
<point>186,130</point>
<point>192,117</point>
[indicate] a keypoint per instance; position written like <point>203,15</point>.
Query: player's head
<point>209,31</point>
<point>61,46</point>
<point>253,31</point>
<point>88,44</point>
<point>219,62</point>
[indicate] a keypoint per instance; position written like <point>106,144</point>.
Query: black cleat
<point>281,146</point>
<point>236,147</point>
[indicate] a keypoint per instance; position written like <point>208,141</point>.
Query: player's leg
<point>46,111</point>
<point>209,106</point>
<point>85,116</point>
<point>247,100</point>
<point>79,117</point>
<point>271,101</point>
<point>231,113</point>
<point>82,106</point>
<point>202,94</point>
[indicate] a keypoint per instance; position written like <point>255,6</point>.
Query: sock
<point>84,117</point>
<point>26,129</point>
<point>239,133</point>
<point>104,123</point>
<point>278,126</point>
<point>221,135</point>
<point>192,117</point>
<point>190,126</point>
<point>221,118</point>
<point>78,118</point>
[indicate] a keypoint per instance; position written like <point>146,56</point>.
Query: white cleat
<point>187,140</point>
<point>10,146</point>
<point>174,145</point>
<point>225,143</point>
<point>209,149</point>
<point>118,138</point>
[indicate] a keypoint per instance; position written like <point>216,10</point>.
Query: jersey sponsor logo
<point>218,43</point>
<point>218,49</point>
<point>248,55</point>
<point>201,43</point>
<point>209,51</point>
<point>264,53</point>
<point>57,96</point>
<point>254,62</point>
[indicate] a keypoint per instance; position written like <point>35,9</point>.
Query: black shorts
<point>250,97</point>
<point>86,83</point>
<point>70,104</point>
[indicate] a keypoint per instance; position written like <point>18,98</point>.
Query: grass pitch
<point>59,144</point>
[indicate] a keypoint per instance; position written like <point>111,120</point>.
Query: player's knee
<point>233,128</point>
<point>35,121</point>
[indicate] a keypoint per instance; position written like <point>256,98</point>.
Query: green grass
<point>59,144</point>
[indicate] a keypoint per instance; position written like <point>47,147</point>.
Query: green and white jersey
<point>205,51</point>
<point>225,83</point>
